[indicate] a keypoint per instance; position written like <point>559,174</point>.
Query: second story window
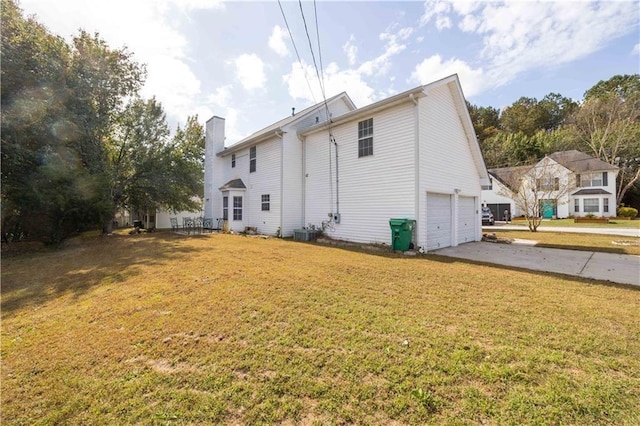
<point>365,138</point>
<point>233,160</point>
<point>548,184</point>
<point>252,159</point>
<point>591,179</point>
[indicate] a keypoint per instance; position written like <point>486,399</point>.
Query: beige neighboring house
<point>574,184</point>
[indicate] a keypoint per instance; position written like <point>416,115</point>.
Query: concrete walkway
<point>618,268</point>
<point>625,232</point>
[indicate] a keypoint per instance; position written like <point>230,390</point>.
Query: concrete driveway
<point>618,268</point>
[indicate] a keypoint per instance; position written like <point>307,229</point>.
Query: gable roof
<point>578,162</point>
<point>272,129</point>
<point>453,83</point>
<point>233,184</point>
<point>510,176</point>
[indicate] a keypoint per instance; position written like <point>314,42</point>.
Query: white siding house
<point>413,155</point>
<point>574,184</point>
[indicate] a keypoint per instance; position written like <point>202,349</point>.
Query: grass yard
<point>613,223</point>
<point>214,329</point>
<point>575,241</point>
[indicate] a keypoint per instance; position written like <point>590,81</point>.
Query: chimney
<point>293,111</point>
<point>214,135</point>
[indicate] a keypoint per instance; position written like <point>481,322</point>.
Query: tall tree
<point>486,121</point>
<point>73,147</point>
<point>607,126</point>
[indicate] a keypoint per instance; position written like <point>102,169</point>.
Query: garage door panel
<point>438,221</point>
<point>466,225</point>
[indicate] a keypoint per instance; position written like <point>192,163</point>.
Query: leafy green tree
<point>73,147</point>
<point>150,170</point>
<point>620,86</point>
<point>526,116</point>
<point>486,121</point>
<point>608,127</point>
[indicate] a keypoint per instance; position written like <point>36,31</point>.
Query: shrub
<point>629,212</point>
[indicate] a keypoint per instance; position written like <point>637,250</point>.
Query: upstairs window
<point>233,160</point>
<point>266,202</point>
<point>591,179</point>
<point>548,184</point>
<point>365,138</point>
<point>252,159</point>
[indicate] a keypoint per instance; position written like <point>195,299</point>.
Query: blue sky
<point>236,59</point>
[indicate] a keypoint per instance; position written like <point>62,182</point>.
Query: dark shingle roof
<point>234,184</point>
<point>510,176</point>
<point>578,162</point>
<point>592,191</point>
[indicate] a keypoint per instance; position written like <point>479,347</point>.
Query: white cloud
<point>336,81</point>
<point>434,68</point>
<point>250,71</point>
<point>276,41</point>
<point>436,9</point>
<point>636,49</point>
<point>518,36</point>
<point>149,30</point>
<point>393,46</point>
<point>221,96</point>
<point>351,50</point>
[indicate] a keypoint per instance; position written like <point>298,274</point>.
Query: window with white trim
<point>225,208</point>
<point>605,205</point>
<point>591,205</point>
<point>237,208</point>
<point>233,160</point>
<point>266,202</point>
<point>365,138</point>
<point>252,159</point>
<point>576,205</point>
<point>590,179</point>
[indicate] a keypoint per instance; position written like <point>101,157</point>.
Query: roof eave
<point>369,109</point>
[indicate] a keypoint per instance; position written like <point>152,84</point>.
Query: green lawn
<point>576,241</point>
<point>613,223</point>
<point>222,329</point>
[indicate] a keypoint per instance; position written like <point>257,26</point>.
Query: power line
<point>313,56</point>
<point>304,72</point>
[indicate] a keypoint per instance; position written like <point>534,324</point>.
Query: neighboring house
<point>567,183</point>
<point>413,155</point>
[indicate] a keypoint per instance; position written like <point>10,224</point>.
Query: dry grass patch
<point>226,329</point>
<point>589,242</point>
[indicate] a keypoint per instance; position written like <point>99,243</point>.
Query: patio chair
<point>188,224</point>
<point>207,224</point>
<point>174,224</point>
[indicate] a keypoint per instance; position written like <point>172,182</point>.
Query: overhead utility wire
<point>304,72</point>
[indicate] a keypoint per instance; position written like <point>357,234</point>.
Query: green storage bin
<point>401,233</point>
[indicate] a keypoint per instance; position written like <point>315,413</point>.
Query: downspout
<point>337,215</point>
<point>416,165</point>
<point>303,141</point>
<point>281,136</point>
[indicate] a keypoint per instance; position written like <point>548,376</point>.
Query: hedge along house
<point>413,155</point>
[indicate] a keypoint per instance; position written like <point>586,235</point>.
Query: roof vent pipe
<point>293,111</point>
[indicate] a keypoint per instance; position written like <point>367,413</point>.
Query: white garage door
<point>466,219</point>
<point>438,221</point>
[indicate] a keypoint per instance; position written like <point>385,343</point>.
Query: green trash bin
<point>401,233</point>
